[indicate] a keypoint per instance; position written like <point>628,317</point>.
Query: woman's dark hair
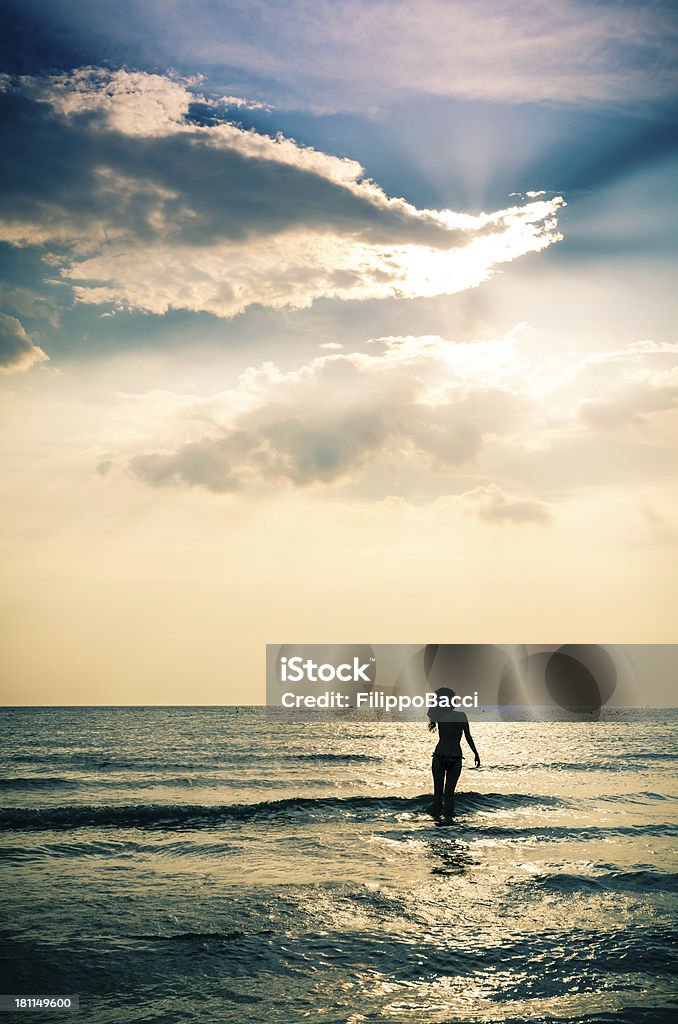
<point>442,691</point>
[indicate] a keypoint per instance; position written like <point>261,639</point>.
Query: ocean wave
<point>651,755</point>
<point>37,782</point>
<point>342,758</point>
<point>100,761</point>
<point>167,816</point>
<point>643,797</point>
<point>129,849</point>
<point>639,881</point>
<point>140,782</point>
<point>556,833</point>
<point>625,762</point>
<point>622,1015</point>
<point>202,937</point>
<point>593,955</point>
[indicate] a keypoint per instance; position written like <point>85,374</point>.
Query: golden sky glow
<point>279,369</point>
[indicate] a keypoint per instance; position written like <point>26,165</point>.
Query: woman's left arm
<point>469,740</point>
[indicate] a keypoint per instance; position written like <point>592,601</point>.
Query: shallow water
<point>208,864</point>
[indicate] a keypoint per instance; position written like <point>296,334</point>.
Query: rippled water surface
<point>209,864</point>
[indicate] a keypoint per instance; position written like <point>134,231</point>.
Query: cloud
<point>635,358</point>
<point>18,352</point>
<point>28,303</point>
<point>239,103</point>
<point>630,405</point>
<point>140,205</point>
<point>663,530</point>
<point>422,417</point>
<point>359,56</point>
<point>491,505</point>
<point>647,382</point>
<point>416,400</point>
<point>131,102</point>
<point>564,50</point>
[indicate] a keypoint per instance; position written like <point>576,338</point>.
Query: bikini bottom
<point>448,762</point>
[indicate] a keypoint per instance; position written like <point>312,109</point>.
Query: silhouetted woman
<point>447,756</point>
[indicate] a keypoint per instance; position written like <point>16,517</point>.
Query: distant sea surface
<point>240,865</point>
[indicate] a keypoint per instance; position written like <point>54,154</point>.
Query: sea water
<point>237,865</point>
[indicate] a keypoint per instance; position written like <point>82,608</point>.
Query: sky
<point>331,322</point>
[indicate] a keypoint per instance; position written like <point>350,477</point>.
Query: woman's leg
<point>438,782</point>
<point>451,780</point>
